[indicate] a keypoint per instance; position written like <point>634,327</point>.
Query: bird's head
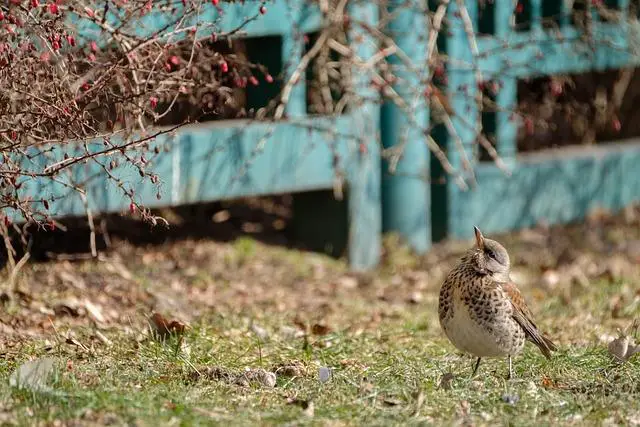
<point>490,258</point>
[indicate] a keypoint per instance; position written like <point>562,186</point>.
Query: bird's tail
<point>545,345</point>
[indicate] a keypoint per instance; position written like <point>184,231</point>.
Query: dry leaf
<point>259,331</point>
<point>290,369</point>
<point>623,347</point>
<point>164,328</point>
<point>260,377</point>
<point>307,406</point>
<point>320,329</point>
<point>445,381</point>
<point>94,311</point>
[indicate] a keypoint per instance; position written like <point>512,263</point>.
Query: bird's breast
<point>481,331</point>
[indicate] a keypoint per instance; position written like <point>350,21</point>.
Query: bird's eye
<point>491,253</point>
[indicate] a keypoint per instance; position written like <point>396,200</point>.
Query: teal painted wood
<point>462,89</point>
<point>551,188</point>
<point>528,55</point>
<point>405,192</point>
<point>219,160</point>
<point>365,205</point>
<point>280,17</point>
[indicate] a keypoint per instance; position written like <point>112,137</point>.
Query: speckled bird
<point>481,310</point>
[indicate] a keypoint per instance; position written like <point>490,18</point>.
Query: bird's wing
<point>524,317</point>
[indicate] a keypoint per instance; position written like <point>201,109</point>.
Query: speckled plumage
<point>481,311</point>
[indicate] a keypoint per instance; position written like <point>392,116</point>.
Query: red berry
<point>89,12</point>
<point>132,207</point>
<point>34,3</point>
<point>153,101</point>
<point>93,46</point>
<point>616,124</point>
<point>215,2</point>
<point>224,67</point>
<point>53,9</point>
<point>174,60</point>
<point>71,40</point>
<point>55,45</point>
<point>46,204</point>
<point>91,57</point>
<point>1,16</point>
<point>263,10</point>
<point>520,8</point>
<point>528,122</point>
<point>269,78</point>
<point>253,81</point>
<point>556,88</point>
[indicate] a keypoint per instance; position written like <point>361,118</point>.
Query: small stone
<point>510,399</point>
<point>415,297</point>
<point>324,374</point>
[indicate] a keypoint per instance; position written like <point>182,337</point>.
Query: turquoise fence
<point>235,158</point>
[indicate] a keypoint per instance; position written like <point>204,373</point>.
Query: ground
<point>343,349</point>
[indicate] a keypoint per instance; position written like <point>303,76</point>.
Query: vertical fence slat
<point>462,86</point>
<point>503,15</point>
<point>405,191</point>
<point>292,51</point>
<point>365,207</point>
<point>462,90</point>
<point>506,125</point>
<point>536,14</point>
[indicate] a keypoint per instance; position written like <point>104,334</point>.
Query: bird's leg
<point>510,368</point>
<point>475,369</point>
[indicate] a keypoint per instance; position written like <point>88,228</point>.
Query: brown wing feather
<point>524,317</point>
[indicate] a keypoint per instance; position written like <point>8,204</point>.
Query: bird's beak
<point>479,238</point>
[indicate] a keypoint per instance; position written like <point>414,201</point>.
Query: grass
<point>387,354</point>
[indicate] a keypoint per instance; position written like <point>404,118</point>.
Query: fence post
<point>365,219</point>
<point>405,190</point>
<point>507,97</point>
<point>462,90</point>
<point>292,51</point>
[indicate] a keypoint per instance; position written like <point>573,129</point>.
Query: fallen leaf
<point>164,328</point>
<point>624,346</point>
<point>94,311</point>
<point>34,374</point>
<point>415,297</point>
<point>445,381</point>
<point>260,376</point>
<point>259,331</point>
<point>221,216</point>
<point>290,369</point>
<point>307,406</point>
<point>391,401</point>
<point>102,338</point>
<point>548,382</point>
<point>320,329</point>
<point>70,307</point>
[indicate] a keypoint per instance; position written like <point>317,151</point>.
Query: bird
<point>481,310</point>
